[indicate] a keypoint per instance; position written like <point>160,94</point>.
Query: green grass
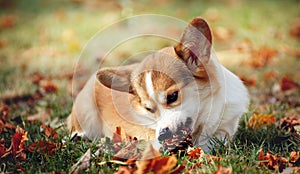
<point>49,36</point>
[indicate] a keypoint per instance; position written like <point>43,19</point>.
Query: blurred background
<point>42,40</point>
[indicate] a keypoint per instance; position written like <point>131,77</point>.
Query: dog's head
<point>166,84</point>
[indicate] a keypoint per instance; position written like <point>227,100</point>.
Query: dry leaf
<point>2,147</point>
<point>295,29</point>
<point>83,163</point>
<point>49,132</point>
<point>262,56</point>
<point>4,112</point>
<point>290,122</point>
<point>288,84</point>
<point>44,147</point>
<point>7,22</point>
<point>273,162</point>
<point>17,145</point>
<point>129,151</point>
<point>248,81</point>
<point>42,116</point>
<point>48,86</point>
<point>125,170</point>
<point>222,33</point>
<point>259,120</point>
<point>117,136</point>
<point>195,153</point>
<point>295,157</point>
<point>223,170</point>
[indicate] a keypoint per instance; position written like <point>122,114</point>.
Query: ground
<point>40,45</point>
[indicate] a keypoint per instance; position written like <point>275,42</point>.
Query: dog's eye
<point>172,97</point>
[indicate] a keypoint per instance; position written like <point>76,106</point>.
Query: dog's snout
<point>165,133</point>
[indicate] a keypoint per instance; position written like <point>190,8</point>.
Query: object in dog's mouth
<point>179,142</point>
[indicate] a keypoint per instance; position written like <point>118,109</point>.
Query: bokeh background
<point>41,43</point>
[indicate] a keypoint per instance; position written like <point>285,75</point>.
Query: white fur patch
<point>149,85</point>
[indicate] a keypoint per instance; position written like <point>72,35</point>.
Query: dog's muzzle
<point>165,133</point>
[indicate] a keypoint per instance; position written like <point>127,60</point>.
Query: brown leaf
<point>295,29</point>
<point>295,158</point>
<point>117,136</point>
<point>49,132</point>
<point>42,116</point>
<point>125,170</point>
<point>288,84</point>
<point>262,56</point>
<point>44,147</point>
<point>259,120</point>
<point>273,162</point>
<point>2,147</point>
<point>289,123</point>
<point>83,163</point>
<point>129,151</point>
<point>248,81</point>
<point>195,153</point>
<point>48,86</point>
<point>7,21</point>
<point>17,145</point>
<point>222,33</point>
<point>4,112</point>
<point>223,170</point>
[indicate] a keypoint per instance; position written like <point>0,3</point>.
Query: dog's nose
<point>164,134</point>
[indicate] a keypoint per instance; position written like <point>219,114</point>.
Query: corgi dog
<point>177,85</point>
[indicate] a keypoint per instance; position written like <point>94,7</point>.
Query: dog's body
<point>181,85</point>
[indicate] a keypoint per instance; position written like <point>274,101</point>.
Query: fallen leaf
<point>295,28</point>
<point>2,147</point>
<point>42,116</point>
<point>48,86</point>
<point>262,56</point>
<point>273,162</point>
<point>223,170</point>
<point>129,151</point>
<point>295,158</point>
<point>125,170</point>
<point>83,163</point>
<point>287,84</point>
<point>117,136</point>
<point>259,120</point>
<point>4,112</point>
<point>290,122</point>
<point>222,33</point>
<point>195,153</point>
<point>7,21</point>
<point>49,132</point>
<point>17,145</point>
<point>248,81</point>
<point>44,147</point>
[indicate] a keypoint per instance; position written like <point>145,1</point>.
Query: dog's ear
<point>194,47</point>
<point>117,78</point>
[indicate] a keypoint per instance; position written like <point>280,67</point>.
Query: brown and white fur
<point>137,97</point>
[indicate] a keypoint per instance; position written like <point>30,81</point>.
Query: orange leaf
<point>7,22</point>
<point>258,120</point>
<point>117,136</point>
<point>43,147</point>
<point>125,170</point>
<point>49,132</point>
<point>223,170</point>
<point>17,145</point>
<point>295,158</point>
<point>195,153</point>
<point>273,162</point>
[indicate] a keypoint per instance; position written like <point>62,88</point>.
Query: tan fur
<point>135,96</point>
